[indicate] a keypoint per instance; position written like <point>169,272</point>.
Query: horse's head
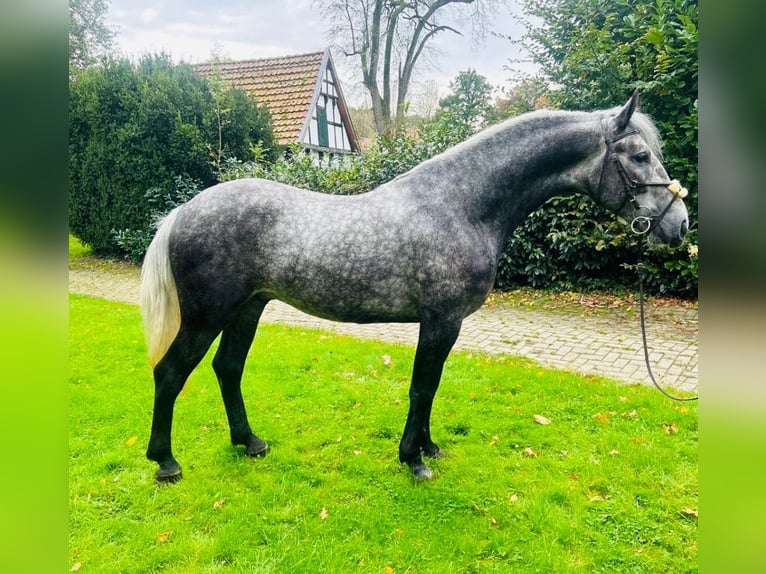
<point>634,184</point>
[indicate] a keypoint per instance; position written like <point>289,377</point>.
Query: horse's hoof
<point>420,472</point>
<point>168,475</point>
<point>257,448</point>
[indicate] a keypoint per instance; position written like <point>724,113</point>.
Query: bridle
<point>641,223</point>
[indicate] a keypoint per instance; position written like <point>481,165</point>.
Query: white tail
<point>158,295</point>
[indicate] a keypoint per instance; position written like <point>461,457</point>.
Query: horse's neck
<point>505,173</point>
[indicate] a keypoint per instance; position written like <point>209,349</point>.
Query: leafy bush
<point>135,128</point>
<point>135,242</point>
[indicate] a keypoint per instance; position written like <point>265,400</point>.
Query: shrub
<point>135,128</point>
<point>135,242</point>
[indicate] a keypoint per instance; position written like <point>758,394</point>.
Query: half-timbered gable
<point>303,95</point>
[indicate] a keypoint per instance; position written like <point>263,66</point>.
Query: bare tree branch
<point>389,35</point>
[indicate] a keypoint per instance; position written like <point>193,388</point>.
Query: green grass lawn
<point>610,485</point>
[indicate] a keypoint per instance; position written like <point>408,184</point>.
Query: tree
<point>389,37</point>
<point>89,37</point>
<point>524,96</point>
<point>470,101</point>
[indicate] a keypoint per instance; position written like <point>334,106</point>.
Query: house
<point>303,95</point>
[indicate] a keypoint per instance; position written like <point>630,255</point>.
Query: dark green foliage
<point>558,247</point>
<point>138,127</point>
<point>160,201</point>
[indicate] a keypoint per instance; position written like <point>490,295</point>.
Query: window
<point>324,140</point>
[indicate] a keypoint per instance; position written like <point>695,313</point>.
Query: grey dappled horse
<point>422,248</point>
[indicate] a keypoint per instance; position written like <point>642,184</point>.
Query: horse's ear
<point>622,119</point>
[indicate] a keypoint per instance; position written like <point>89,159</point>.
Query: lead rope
<point>640,268</point>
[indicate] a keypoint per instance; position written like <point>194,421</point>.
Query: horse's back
<point>368,258</point>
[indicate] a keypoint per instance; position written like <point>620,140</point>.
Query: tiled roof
<point>285,85</point>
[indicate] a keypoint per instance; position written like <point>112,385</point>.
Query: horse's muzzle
<point>682,230</point>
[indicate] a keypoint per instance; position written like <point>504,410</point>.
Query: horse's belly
<point>352,300</point>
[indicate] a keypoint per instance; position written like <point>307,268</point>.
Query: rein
<point>641,225</point>
<point>640,269</point>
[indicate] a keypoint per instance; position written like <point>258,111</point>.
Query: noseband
<point>641,223</point>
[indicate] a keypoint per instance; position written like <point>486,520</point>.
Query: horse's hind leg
<point>170,375</point>
<point>434,344</point>
<point>229,363</point>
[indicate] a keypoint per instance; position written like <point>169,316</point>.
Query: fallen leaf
<point>493,521</point>
<point>690,512</point>
<point>324,514</point>
<point>682,409</point>
<point>398,532</point>
<point>131,441</point>
<point>386,360</point>
<point>573,476</point>
<point>636,440</point>
<point>528,452</point>
<point>614,452</point>
<point>631,415</point>
<point>602,418</point>
<point>75,567</point>
<point>388,570</point>
<point>494,440</point>
<point>514,498</point>
<point>672,428</point>
<point>541,420</point>
<point>357,405</point>
<point>164,536</point>
<point>357,452</point>
<point>596,498</point>
<point>219,503</point>
<point>623,399</point>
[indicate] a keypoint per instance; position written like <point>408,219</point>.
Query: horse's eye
<point>641,157</point>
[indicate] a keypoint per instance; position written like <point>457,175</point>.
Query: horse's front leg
<point>434,344</point>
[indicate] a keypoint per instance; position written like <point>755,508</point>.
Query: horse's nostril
<point>684,228</point>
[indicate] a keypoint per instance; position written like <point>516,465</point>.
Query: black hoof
<point>256,447</point>
<point>168,475</point>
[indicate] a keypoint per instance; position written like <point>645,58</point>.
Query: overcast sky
<point>190,30</point>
